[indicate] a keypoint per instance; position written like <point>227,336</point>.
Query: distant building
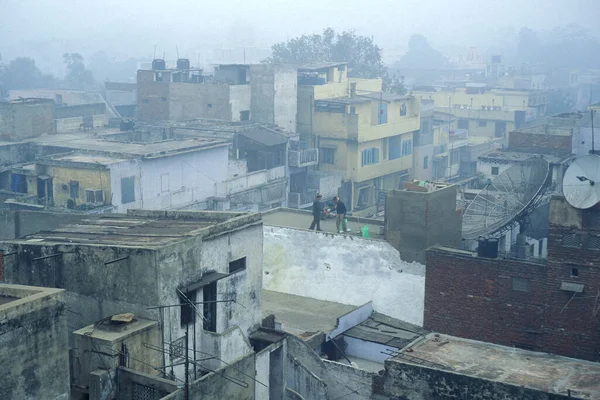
<point>487,111</point>
<point>362,134</point>
<point>33,341</point>
<point>123,97</point>
<point>122,171</point>
<point>236,92</point>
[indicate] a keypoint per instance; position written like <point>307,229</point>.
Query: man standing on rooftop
<point>316,212</point>
<point>340,210</point>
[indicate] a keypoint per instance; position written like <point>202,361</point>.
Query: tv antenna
<point>506,200</point>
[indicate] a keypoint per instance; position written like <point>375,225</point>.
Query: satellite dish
<point>581,183</point>
<point>507,199</point>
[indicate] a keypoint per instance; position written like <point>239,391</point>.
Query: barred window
<point>520,284</point>
<point>571,240</point>
<point>594,242</point>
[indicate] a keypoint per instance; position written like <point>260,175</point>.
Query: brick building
<point>550,307</point>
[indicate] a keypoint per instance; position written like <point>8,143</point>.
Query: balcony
<point>249,181</point>
<point>303,158</point>
<point>369,132</point>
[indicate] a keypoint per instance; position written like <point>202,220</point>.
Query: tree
<point>421,55</point>
<point>360,52</point>
<point>77,77</point>
<point>21,73</point>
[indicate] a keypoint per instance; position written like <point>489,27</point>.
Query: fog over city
<point>299,200</point>
<point>122,29</point>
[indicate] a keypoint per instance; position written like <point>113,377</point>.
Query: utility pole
<point>592,116</point>
<point>187,363</point>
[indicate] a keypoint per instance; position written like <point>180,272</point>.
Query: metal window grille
<point>142,392</point>
<point>177,348</point>
<point>594,242</point>
<point>571,240</point>
<point>593,219</point>
<point>520,284</point>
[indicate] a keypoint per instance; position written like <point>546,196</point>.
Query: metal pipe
<point>116,260</point>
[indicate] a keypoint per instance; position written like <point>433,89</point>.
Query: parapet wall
<point>344,269</point>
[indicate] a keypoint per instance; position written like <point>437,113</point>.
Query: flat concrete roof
<point>540,371</point>
<point>13,296</point>
<point>129,150</point>
<point>97,331</point>
<point>518,156</point>
<point>94,159</point>
<point>300,219</point>
<point>303,316</point>
<point>140,228</point>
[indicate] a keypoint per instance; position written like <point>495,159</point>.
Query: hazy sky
<point>133,27</point>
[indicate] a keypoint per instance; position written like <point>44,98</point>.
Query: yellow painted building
<point>71,180</point>
<point>491,113</point>
<point>362,133</point>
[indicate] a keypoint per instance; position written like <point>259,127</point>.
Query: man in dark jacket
<point>340,210</point>
<point>316,212</point>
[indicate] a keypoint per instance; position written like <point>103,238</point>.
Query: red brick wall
<point>572,325</point>
<point>540,143</point>
<point>473,298</point>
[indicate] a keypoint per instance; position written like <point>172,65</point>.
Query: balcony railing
<point>304,158</point>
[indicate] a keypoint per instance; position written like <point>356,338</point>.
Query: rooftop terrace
<point>539,371</point>
<point>140,228</point>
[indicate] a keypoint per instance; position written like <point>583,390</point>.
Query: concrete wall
<point>540,143</point>
<point>152,99</point>
<point>274,95</point>
<point>180,179</point>
<point>20,120</point>
<point>74,124</point>
<point>33,346</point>
<point>343,269</point>
<point>315,378</point>
<point>406,381</point>
<point>219,385</point>
<point>93,293</point>
<point>14,224</point>
<point>216,101</point>
<point>415,221</point>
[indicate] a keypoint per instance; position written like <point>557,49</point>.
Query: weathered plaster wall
<point>416,221</point>
<point>344,269</point>
<point>181,179</point>
<point>94,290</point>
<point>34,352</point>
<point>20,223</point>
<point>411,382</point>
<point>315,378</point>
<point>274,95</point>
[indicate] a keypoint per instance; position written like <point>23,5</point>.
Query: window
<point>209,105</point>
<point>74,189</point>
<point>164,182</point>
<point>209,297</point>
<point>425,127</point>
<point>425,162</point>
<point>352,110</point>
<point>382,113</point>
<point>384,148</point>
<point>237,265</point>
<point>594,242</point>
<point>482,123</point>
<point>94,196</point>
<point>145,101</point>
<point>463,124</point>
<point>403,109</point>
<point>571,240</point>
<point>574,272</point>
<point>128,190</point>
<point>370,156</point>
<point>395,147</point>
<point>327,155</point>
<point>520,284</point>
<point>158,76</point>
<point>454,156</point>
<point>187,311</point>
<point>495,170</point>
<point>407,147</point>
<point>245,115</point>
